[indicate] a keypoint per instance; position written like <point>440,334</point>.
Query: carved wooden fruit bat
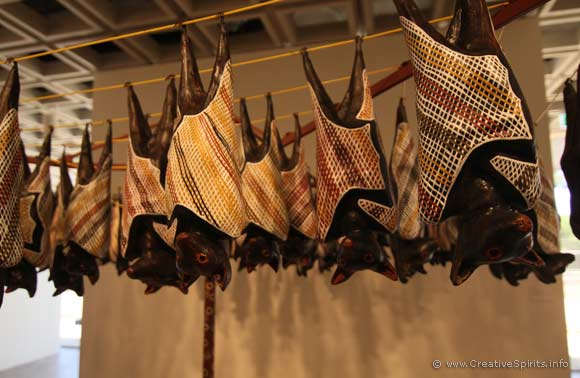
<point>202,182</point>
<point>62,279</point>
<point>300,247</point>
<point>146,241</point>
<point>478,158</point>
<point>262,189</point>
<point>354,201</point>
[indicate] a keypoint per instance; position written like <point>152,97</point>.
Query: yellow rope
<point>243,63</point>
<point>249,98</point>
<point>142,32</point>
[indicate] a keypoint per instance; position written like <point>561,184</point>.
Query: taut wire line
<point>249,98</point>
<point>143,32</point>
<point>243,63</point>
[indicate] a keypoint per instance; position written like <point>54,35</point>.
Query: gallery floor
<point>65,364</point>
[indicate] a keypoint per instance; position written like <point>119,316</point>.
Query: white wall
<point>29,327</point>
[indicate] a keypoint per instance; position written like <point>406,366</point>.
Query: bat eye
<point>493,254</point>
<point>265,253</point>
<point>368,258</point>
<point>305,260</point>
<point>347,243</point>
<point>201,258</point>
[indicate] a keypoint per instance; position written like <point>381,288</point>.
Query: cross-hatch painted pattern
<point>202,175</point>
<point>11,176</point>
<point>524,176</point>
<point>346,160</point>
<point>143,195</point>
<point>299,199</point>
<point>41,254</point>
<point>367,110</point>
<point>463,102</point>
<point>262,190</point>
<point>404,166</point>
<point>547,216</point>
<point>221,112</point>
<point>385,215</point>
<point>88,215</point>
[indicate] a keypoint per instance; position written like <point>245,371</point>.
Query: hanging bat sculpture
<point>571,154</point>
<point>476,147</point>
<point>202,182</point>
<point>146,240</point>
<point>262,190</point>
<point>300,247</point>
<point>11,172</point>
<point>36,206</point>
<point>545,261</point>
<point>410,250</point>
<point>36,209</point>
<point>11,181</point>
<point>87,216</point>
<point>354,202</point>
<point>59,275</point>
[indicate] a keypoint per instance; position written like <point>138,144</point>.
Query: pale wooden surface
<point>282,326</point>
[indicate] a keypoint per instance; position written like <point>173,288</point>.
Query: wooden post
<point>208,329</point>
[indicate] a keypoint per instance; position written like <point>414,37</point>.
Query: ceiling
<point>29,26</point>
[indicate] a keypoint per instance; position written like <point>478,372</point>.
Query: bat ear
<point>10,92</point>
<point>340,275</point>
<point>86,168</point>
<point>191,97</point>
<point>409,10</point>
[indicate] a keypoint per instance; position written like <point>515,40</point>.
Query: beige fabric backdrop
<point>283,326</point>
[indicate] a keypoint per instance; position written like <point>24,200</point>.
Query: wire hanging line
<point>297,88</point>
<point>237,64</point>
<point>142,32</point>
